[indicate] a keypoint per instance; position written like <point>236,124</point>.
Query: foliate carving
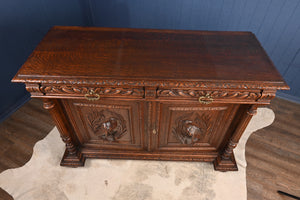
<point>64,89</point>
<point>213,94</point>
<point>159,83</point>
<point>191,128</point>
<point>267,96</point>
<point>107,125</point>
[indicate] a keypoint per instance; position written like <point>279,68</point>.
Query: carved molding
<point>252,110</point>
<point>107,125</point>
<point>33,88</point>
<point>64,89</point>
<point>192,127</point>
<point>159,83</point>
<point>69,144</point>
<point>228,150</point>
<point>48,104</point>
<point>267,96</point>
<point>213,94</point>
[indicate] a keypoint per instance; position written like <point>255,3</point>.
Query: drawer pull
<point>92,96</point>
<point>207,99</point>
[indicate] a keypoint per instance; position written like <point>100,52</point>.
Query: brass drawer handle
<point>92,96</point>
<point>207,99</point>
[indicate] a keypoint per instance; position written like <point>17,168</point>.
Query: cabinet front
<point>193,127</point>
<point>107,124</point>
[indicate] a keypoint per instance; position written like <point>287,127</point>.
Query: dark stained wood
<point>109,91</point>
<point>145,54</point>
<point>72,156</point>
<point>274,167</point>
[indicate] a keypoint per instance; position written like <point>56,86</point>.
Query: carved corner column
<point>225,160</point>
<point>72,157</point>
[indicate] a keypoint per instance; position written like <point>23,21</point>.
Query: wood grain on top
<point>118,53</point>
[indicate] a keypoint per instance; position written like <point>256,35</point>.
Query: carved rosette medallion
<point>107,125</point>
<point>191,128</point>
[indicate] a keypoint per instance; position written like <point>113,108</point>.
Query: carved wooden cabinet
<point>150,94</point>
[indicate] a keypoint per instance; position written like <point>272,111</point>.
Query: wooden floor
<point>273,153</point>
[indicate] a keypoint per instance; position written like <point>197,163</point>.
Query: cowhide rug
<point>43,179</point>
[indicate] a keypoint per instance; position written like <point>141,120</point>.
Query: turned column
<point>72,156</point>
<point>225,160</point>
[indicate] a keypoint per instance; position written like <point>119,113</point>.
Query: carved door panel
<point>107,124</point>
<point>185,127</point>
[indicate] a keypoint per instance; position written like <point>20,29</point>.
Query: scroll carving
<point>64,89</point>
<point>107,125</point>
<point>165,83</point>
<point>191,128</point>
<point>267,96</point>
<point>214,94</point>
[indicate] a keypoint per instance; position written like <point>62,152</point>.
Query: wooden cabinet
<point>150,94</point>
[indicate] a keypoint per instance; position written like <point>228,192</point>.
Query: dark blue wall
<point>23,24</point>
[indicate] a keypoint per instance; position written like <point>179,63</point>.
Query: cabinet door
<point>193,127</point>
<point>107,124</point>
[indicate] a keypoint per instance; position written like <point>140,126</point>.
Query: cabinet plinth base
<point>76,160</point>
<point>225,164</point>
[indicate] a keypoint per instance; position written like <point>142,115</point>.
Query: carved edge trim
<point>33,88</point>
<point>213,94</point>
<point>68,89</point>
<point>161,83</point>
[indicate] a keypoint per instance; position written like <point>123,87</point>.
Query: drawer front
<point>190,127</point>
<point>209,96</point>
<point>109,124</point>
<point>90,92</point>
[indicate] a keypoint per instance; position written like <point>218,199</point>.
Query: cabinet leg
<point>72,157</point>
<point>225,160</point>
<point>72,160</point>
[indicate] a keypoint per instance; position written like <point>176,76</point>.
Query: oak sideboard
<point>150,94</point>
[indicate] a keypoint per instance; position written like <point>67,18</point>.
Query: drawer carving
<point>107,125</point>
<point>71,90</point>
<point>192,127</point>
<point>213,94</point>
<point>147,101</point>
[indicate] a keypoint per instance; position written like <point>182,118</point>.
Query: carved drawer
<point>209,96</point>
<point>91,92</point>
<point>150,94</point>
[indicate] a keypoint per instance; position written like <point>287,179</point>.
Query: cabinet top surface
<point>147,54</point>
